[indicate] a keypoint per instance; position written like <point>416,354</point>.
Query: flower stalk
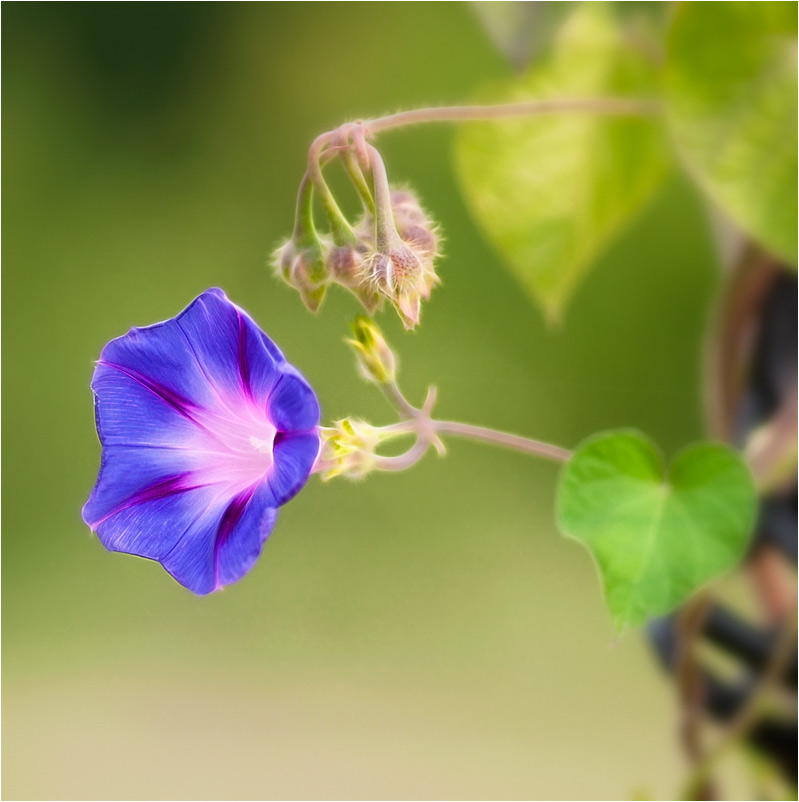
<point>350,448</point>
<point>339,225</point>
<point>356,174</point>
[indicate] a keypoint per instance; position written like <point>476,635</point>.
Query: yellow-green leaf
<point>731,98</point>
<point>551,191</point>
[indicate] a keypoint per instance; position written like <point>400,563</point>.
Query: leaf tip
<point>553,314</point>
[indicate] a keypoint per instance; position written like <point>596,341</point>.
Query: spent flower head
<point>387,254</point>
<point>348,449</point>
<point>401,268</point>
<point>345,263</point>
<point>413,224</point>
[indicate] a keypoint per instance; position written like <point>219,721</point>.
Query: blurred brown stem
<point>690,623</point>
<point>748,715</point>
<point>727,364</point>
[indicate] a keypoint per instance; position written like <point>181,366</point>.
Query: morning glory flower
<point>206,430</point>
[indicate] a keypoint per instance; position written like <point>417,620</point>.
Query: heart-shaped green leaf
<point>655,539</point>
<point>731,98</point>
<point>551,191</point>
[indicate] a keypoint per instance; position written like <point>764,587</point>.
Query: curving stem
<point>353,168</point>
<point>503,439</point>
<point>349,140</point>
<point>633,107</point>
<point>386,234</point>
<point>339,225</point>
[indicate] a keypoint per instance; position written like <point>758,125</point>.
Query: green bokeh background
<point>420,635</point>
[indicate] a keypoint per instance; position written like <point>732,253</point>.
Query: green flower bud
<point>375,358</point>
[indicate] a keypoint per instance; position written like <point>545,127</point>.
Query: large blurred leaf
<point>551,191</point>
<point>656,539</point>
<point>731,93</point>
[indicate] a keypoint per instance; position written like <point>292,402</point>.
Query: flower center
<point>233,447</point>
<point>264,445</point>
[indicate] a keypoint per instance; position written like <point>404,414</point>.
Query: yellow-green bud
<point>375,358</point>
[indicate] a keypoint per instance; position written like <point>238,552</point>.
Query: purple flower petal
<point>222,543</point>
<point>130,410</point>
<point>231,350</point>
<point>206,430</point>
<point>154,521</point>
<point>162,357</point>
<point>292,405</point>
<point>242,535</point>
<point>295,455</point>
<point>127,472</point>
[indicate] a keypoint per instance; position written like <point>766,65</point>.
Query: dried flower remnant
<point>349,449</point>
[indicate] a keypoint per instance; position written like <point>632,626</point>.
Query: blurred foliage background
<point>420,635</point>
